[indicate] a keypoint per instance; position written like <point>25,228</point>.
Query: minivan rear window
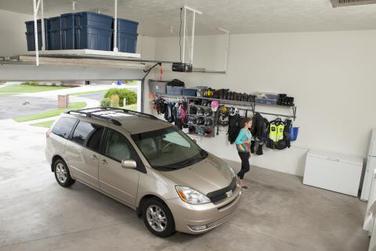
<point>63,126</point>
<point>83,131</point>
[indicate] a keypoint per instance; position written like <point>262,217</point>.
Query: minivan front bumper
<point>196,219</point>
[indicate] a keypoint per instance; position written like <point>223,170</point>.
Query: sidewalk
<point>73,90</point>
<point>89,103</point>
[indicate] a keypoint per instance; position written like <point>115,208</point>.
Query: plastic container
<point>67,31</point>
<point>53,33</point>
<point>87,37</point>
<point>30,34</point>
<point>157,87</point>
<point>127,42</point>
<point>127,35</point>
<point>294,131</point>
<point>174,90</point>
<point>95,20</point>
<point>92,31</point>
<point>189,92</point>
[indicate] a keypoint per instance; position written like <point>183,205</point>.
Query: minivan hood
<point>206,176</point>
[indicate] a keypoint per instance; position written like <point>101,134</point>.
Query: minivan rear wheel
<point>62,173</point>
<point>158,218</point>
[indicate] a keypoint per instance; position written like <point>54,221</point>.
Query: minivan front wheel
<point>62,174</point>
<point>158,218</point>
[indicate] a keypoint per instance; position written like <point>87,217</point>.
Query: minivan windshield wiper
<point>202,155</point>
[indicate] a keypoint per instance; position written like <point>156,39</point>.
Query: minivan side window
<point>94,141</point>
<point>64,126</point>
<point>83,131</point>
<point>117,146</point>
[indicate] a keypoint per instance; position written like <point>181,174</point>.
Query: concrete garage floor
<point>277,212</point>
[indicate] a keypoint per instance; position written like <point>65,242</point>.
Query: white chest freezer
<point>371,167</point>
<point>332,171</point>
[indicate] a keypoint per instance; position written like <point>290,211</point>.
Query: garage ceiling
<point>161,17</point>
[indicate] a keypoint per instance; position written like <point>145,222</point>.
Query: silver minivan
<point>146,164</point>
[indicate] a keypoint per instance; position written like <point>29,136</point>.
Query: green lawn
<point>46,124</point>
<point>50,113</point>
<point>18,89</point>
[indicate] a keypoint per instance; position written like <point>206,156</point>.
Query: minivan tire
<point>161,209</point>
<point>62,173</point>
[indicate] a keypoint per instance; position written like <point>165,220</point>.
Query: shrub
<point>106,102</point>
<point>32,83</point>
<point>130,96</point>
<point>114,100</point>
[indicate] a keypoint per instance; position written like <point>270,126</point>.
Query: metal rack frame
<point>240,104</point>
<point>91,112</point>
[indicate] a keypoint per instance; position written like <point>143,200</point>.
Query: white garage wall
<point>12,30</point>
<point>331,75</point>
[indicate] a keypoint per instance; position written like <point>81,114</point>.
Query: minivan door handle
<point>94,156</point>
<point>104,162</point>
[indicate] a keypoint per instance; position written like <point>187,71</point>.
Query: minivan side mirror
<point>129,164</point>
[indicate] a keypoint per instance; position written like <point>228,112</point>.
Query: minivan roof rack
<point>130,112</point>
<point>92,114</point>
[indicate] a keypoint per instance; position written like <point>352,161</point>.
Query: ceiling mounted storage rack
<point>38,7</point>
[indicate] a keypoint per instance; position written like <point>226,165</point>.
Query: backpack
<point>234,126</point>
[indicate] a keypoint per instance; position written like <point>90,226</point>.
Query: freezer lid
<point>339,157</point>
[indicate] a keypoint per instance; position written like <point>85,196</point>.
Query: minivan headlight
<point>191,196</point>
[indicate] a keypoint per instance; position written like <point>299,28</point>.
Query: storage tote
<point>174,90</point>
<point>189,92</point>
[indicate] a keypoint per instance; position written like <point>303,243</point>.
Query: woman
<point>243,142</point>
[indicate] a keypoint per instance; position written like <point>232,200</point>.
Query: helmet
<point>223,109</point>
<point>223,120</point>
<point>208,112</point>
<point>200,121</point>
<point>192,120</point>
<point>192,110</point>
<point>233,111</point>
<point>208,131</point>
<point>208,122</point>
<point>214,105</point>
<point>200,111</point>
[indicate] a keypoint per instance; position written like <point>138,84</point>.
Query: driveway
<point>13,106</point>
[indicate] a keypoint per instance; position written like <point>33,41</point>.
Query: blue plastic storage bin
<point>294,131</point>
<point>127,35</point>
<point>53,33</point>
<point>127,42</point>
<point>92,31</point>
<point>127,26</point>
<point>30,34</point>
<point>95,20</point>
<point>67,31</point>
<point>189,92</point>
<point>87,37</point>
<point>174,90</point>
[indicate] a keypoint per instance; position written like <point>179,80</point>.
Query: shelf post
<point>115,27</point>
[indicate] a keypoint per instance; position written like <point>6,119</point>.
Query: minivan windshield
<point>169,149</point>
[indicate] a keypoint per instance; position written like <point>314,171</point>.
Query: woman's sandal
<point>244,187</point>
